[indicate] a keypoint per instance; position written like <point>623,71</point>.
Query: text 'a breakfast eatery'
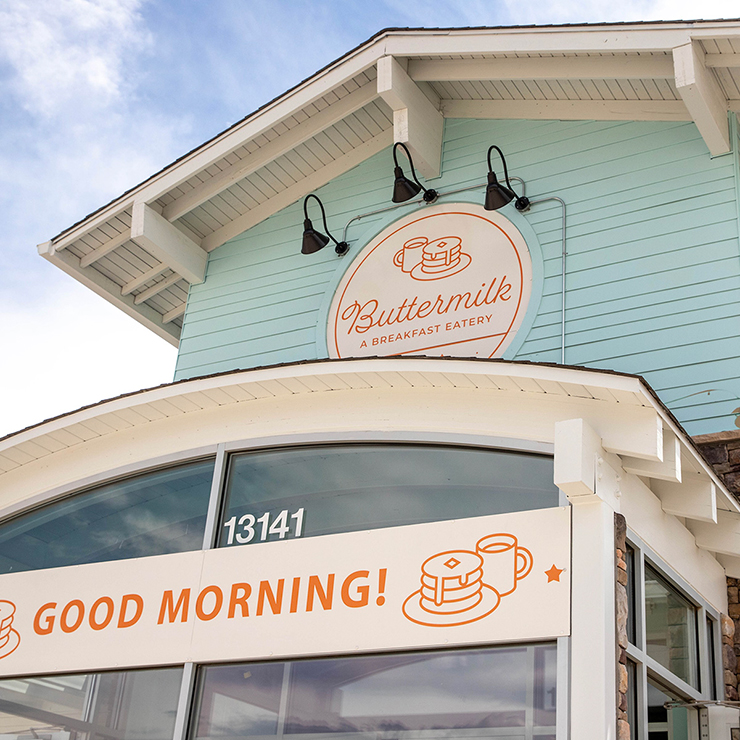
<point>451,451</point>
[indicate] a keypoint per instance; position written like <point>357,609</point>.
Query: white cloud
<point>69,50</point>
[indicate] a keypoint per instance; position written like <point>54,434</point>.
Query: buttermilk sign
<point>449,280</point>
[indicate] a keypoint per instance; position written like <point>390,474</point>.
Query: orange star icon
<point>554,574</point>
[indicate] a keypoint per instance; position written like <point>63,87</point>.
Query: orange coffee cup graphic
<point>410,255</point>
<point>504,561</point>
<point>9,638</point>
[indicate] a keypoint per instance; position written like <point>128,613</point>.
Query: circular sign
<point>451,280</point>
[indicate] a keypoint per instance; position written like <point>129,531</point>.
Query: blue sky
<point>96,95</point>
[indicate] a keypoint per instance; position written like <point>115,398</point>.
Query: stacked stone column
<point>620,539</point>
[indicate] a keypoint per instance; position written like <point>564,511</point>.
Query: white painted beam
<point>145,295</point>
<point>722,60</point>
<point>703,97</point>
<point>577,447</point>
<point>111,291</point>
<point>694,498</point>
<point>730,563</point>
<point>103,249</point>
<point>145,277</point>
<point>290,195</point>
<point>668,469</point>
<point>174,313</point>
<point>272,150</point>
<point>542,68</point>
<point>724,536</point>
<point>639,435</point>
<point>167,243</point>
<point>568,110</point>
<point>416,122</point>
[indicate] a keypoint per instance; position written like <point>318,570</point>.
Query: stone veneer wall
<point>722,451</point>
<point>620,541</point>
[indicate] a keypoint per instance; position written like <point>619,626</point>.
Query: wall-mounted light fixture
<point>498,195</point>
<point>314,240</point>
<point>405,189</point>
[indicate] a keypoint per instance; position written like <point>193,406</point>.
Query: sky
<point>97,95</point>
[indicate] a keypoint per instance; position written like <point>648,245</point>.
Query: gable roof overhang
<point>143,250</point>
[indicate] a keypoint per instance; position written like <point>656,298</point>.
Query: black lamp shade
<point>403,188</point>
<point>497,195</point>
<point>312,239</point>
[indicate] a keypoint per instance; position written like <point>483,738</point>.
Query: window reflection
<point>436,694</point>
<point>133,705</point>
<point>152,514</point>
<point>670,623</point>
<point>343,488</point>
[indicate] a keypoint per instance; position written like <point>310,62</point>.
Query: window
<point>670,628</point>
<point>272,495</point>
<point>130,705</point>
<point>672,650</point>
<point>307,491</point>
<point>505,692</point>
<point>151,514</point>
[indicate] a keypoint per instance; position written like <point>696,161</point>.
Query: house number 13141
<point>244,529</point>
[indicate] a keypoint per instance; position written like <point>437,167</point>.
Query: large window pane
<point>666,723</point>
<point>320,490</point>
<point>440,695</point>
<point>670,625</point>
<point>152,514</point>
<point>133,705</point>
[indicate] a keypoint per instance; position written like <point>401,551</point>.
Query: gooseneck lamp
<point>498,195</point>
<point>314,240</point>
<point>405,189</point>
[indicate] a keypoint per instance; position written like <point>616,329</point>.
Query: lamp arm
<point>323,213</point>
<point>503,161</point>
<point>411,162</point>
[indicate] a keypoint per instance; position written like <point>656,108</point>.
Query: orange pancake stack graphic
<point>9,638</point>
<point>452,591</point>
<point>440,259</point>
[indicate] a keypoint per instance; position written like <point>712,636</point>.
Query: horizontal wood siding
<point>653,266</point>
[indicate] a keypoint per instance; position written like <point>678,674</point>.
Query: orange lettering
<point>168,605</point>
<point>122,621</point>
<point>315,587</point>
<point>66,627</point>
<point>93,611</point>
<point>294,595</point>
<point>48,625</point>
<point>362,591</point>
<point>276,600</point>
<point>240,601</point>
<point>200,612</point>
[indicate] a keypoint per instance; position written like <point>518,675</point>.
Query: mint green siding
<point>653,271</point>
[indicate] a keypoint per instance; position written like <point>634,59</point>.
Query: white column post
<point>579,460</point>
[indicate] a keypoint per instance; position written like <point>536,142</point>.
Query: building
<point>437,478</point>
